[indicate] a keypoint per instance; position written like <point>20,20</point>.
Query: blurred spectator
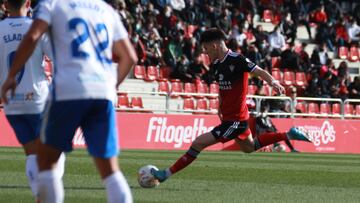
<point>192,14</point>
<point>299,14</point>
<point>174,50</point>
<point>343,70</point>
<point>276,41</point>
<point>326,86</point>
<point>288,29</point>
<point>261,37</point>
<point>139,48</point>
<point>354,88</point>
<point>342,37</point>
<point>333,10</point>
<point>326,34</point>
<point>263,124</point>
<point>181,70</point>
<point>254,55</point>
<point>289,59</point>
<point>343,87</point>
<point>314,88</point>
<point>354,32</point>
<point>3,12</point>
<point>198,69</point>
<point>224,20</point>
<point>238,34</point>
<point>305,63</point>
<point>320,16</point>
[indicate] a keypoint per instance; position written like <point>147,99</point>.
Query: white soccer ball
<point>145,178</point>
<point>280,148</point>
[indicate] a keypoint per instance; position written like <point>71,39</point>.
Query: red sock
<point>184,161</point>
<point>268,138</point>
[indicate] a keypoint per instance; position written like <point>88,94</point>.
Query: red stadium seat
<point>300,79</point>
<point>357,110</point>
<point>189,104</point>
<point>301,107</point>
<point>214,89</point>
<point>214,105</point>
<point>354,54</point>
<point>163,86</point>
<point>348,109</point>
<point>176,87</point>
<point>136,103</point>
<point>277,75</point>
<point>201,88</point>
<point>289,78</point>
<point>313,108</point>
<point>336,109</point>
<point>325,108</point>
<point>267,16</point>
<point>343,52</point>
<point>123,101</point>
<point>139,72</point>
<point>152,73</point>
<point>189,88</point>
<point>164,72</point>
<point>201,105</point>
<point>252,89</point>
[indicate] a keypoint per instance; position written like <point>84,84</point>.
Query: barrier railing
<point>258,99</point>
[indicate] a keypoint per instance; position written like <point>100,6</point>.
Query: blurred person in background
<point>25,107</point>
<point>84,92</point>
<point>263,124</point>
<point>277,42</point>
<point>354,88</point>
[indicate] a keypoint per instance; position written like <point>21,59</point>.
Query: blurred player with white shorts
<point>84,35</point>
<point>23,110</point>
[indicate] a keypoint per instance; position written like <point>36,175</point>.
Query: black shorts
<point>229,130</point>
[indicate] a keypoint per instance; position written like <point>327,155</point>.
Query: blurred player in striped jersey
<point>84,35</point>
<point>23,109</point>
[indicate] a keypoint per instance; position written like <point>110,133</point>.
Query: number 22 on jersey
<point>86,37</point>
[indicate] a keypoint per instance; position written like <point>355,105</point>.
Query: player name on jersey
<point>12,37</point>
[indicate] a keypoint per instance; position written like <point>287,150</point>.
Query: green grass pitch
<point>214,177</point>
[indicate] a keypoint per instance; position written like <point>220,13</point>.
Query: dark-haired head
<point>212,35</point>
<point>16,4</point>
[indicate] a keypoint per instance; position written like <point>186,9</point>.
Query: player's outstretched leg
<point>180,164</point>
<point>296,134</point>
<point>185,160</point>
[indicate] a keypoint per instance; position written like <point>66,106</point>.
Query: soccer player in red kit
<point>231,71</point>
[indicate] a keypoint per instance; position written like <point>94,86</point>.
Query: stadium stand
<point>166,44</point>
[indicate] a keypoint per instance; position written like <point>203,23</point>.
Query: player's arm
<point>124,50</point>
<point>269,79</point>
<point>23,53</point>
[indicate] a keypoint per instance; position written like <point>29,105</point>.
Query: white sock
<point>60,166</point>
<point>117,188</point>
<point>32,170</point>
<point>50,187</point>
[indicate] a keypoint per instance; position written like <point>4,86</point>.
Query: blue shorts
<point>96,119</point>
<point>26,126</point>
